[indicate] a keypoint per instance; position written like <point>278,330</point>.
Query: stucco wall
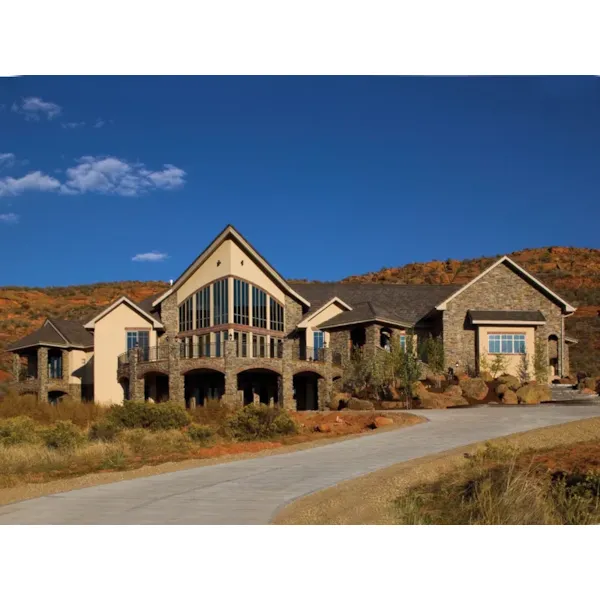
<point>500,289</point>
<point>80,368</point>
<point>513,361</point>
<point>110,340</point>
<point>314,322</point>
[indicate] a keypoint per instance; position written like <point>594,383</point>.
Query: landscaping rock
<point>509,397</point>
<point>454,390</point>
<point>589,383</point>
<point>588,391</point>
<point>419,390</point>
<point>432,400</point>
<point>339,400</point>
<point>501,389</point>
<point>389,405</point>
<point>486,376</point>
<point>356,404</point>
<point>462,376</point>
<point>323,428</point>
<point>511,381</point>
<point>534,393</point>
<point>382,422</point>
<point>474,388</point>
<point>435,379</point>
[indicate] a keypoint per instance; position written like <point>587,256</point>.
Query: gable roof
<point>57,333</point>
<point>230,232</point>
<point>390,302</point>
<point>315,310</point>
<point>363,313</point>
<point>139,308</point>
<point>505,259</point>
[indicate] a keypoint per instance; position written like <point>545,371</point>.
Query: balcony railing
<point>200,350</point>
<point>272,350</point>
<point>309,354</point>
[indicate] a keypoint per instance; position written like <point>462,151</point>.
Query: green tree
<point>433,353</point>
<point>406,366</point>
<point>540,361</point>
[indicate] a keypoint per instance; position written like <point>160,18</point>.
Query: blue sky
<point>326,176</point>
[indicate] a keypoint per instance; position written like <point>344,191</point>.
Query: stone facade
<point>293,314</point>
<point>500,289</point>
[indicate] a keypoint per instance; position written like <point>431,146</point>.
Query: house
<point>232,328</point>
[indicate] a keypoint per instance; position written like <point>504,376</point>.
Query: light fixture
<point>218,263</point>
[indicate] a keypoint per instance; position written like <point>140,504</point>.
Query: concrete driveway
<point>252,491</point>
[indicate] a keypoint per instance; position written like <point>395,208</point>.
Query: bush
<point>200,433</point>
<point>260,422</point>
<point>104,431</point>
<point>18,430</point>
<point>144,415</point>
<point>63,435</point>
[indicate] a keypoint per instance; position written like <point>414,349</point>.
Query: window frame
<point>241,302</point>
<point>277,315</point>
<point>221,301</point>
<point>259,311</point>
<point>509,344</point>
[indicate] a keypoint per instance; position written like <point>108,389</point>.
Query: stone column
<point>325,385</point>
<point>176,379</point>
<point>136,385</point>
<point>231,397</point>
<point>287,380</point>
<point>42,373</point>
<point>66,372</point>
<point>16,367</point>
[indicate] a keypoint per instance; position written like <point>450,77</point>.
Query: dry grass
<point>379,492</point>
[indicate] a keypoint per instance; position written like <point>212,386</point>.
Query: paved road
<point>252,491</point>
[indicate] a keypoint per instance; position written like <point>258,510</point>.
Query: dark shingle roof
<point>507,315</point>
<point>70,333</point>
<point>400,303</point>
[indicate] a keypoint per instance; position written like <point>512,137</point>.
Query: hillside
<point>24,309</point>
<point>572,272</point>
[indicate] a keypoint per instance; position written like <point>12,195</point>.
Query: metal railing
<point>272,350</point>
<point>309,354</point>
<point>200,350</point>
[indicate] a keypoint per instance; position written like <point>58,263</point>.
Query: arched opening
<point>259,386</point>
<point>306,390</point>
<point>202,386</point>
<point>385,338</point>
<point>358,337</point>
<point>55,397</point>
<point>553,356</point>
<point>124,381</point>
<point>156,387</point>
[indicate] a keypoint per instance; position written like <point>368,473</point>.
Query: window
<point>137,339</point>
<point>259,346</point>
<point>55,366</point>
<point>276,315</point>
<point>221,301</point>
<point>259,308</point>
<point>204,345</point>
<point>203,308</point>
<point>220,338</point>
<point>240,302</point>
<point>317,343</point>
<point>186,315</point>
<point>403,343</point>
<point>276,348</point>
<point>506,343</point>
<point>241,343</point>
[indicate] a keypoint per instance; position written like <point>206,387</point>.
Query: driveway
<point>252,491</point>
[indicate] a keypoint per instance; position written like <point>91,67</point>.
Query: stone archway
<point>156,386</point>
<point>56,396</point>
<point>306,390</point>
<point>553,357</point>
<point>124,382</point>
<point>259,386</point>
<point>202,386</point>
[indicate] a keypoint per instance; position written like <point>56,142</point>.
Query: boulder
<point>356,404</point>
<point>486,376</point>
<point>534,393</point>
<point>509,397</point>
<point>323,428</point>
<point>390,405</point>
<point>432,400</point>
<point>419,390</point>
<point>589,383</point>
<point>501,389</point>
<point>382,422</point>
<point>474,388</point>
<point>339,399</point>
<point>511,381</point>
<point>462,376</point>
<point>454,390</point>
<point>588,391</point>
<point>434,379</point>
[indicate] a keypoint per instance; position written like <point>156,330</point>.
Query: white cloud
<point>32,182</point>
<point>73,125</point>
<point>99,123</point>
<point>101,175</point>
<point>153,256</point>
<point>33,108</point>
<point>9,218</point>
<point>7,159</point>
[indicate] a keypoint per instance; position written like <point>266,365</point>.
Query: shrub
<point>18,430</point>
<point>156,444</point>
<point>200,433</point>
<point>144,415</point>
<point>260,422</point>
<point>104,431</point>
<point>63,435</point>
<point>433,353</point>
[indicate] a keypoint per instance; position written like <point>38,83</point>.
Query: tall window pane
<point>203,308</point>
<point>186,316</point>
<point>221,301</point>
<point>276,315</point>
<point>259,308</point>
<point>240,302</point>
